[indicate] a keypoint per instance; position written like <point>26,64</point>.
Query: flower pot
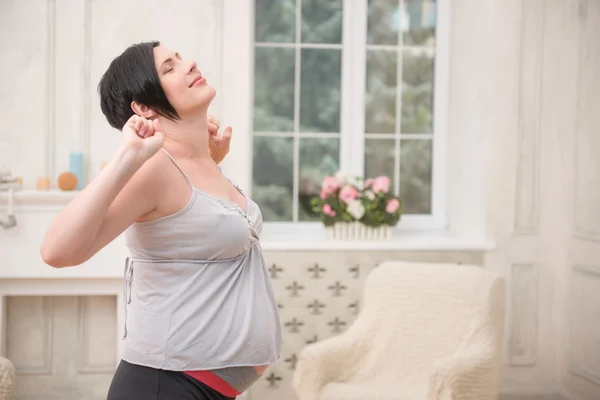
<point>358,231</point>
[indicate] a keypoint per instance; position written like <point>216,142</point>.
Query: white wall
<point>524,95</point>
<point>579,277</point>
<point>54,53</point>
<point>541,121</point>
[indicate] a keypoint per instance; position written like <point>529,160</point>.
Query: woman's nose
<point>193,66</point>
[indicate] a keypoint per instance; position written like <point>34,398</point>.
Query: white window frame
<point>237,104</point>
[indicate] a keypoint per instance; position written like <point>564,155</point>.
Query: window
<point>347,85</point>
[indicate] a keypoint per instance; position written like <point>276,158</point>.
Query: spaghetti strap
<point>179,168</point>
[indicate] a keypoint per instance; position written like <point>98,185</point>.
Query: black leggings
<point>135,382</point>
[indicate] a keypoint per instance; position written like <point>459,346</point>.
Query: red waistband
<point>214,382</point>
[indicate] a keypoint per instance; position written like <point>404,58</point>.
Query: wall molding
<point>3,330</point>
<point>48,335</point>
<point>522,340</point>
<point>68,286</point>
<point>576,368</point>
<point>582,373</point>
<point>50,138</point>
<point>85,130</point>
<point>527,204</point>
<point>85,367</point>
<point>586,28</point>
<point>578,234</point>
<point>511,396</point>
<point>219,47</point>
<point>527,214</point>
<point>587,269</point>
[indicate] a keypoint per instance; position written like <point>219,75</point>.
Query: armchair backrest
<point>418,313</point>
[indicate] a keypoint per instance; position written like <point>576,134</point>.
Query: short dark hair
<point>131,77</point>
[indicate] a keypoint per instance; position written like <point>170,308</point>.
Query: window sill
<point>412,235</point>
<point>404,240</point>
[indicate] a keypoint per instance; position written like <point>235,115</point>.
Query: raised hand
<point>218,144</point>
<point>213,127</point>
<point>143,135</point>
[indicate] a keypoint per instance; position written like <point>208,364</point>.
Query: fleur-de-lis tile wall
<point>317,299</point>
<point>318,295</point>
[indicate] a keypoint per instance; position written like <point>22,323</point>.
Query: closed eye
<point>168,63</point>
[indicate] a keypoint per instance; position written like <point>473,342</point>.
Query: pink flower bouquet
<point>349,199</point>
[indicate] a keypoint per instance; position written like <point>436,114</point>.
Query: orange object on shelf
<point>43,183</point>
<point>67,181</point>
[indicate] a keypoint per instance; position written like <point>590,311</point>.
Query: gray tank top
<point>197,290</point>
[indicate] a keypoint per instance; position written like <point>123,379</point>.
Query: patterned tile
<point>316,300</point>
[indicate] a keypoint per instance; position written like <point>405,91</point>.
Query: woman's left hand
<point>218,144</point>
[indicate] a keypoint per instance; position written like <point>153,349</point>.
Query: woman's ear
<point>142,110</point>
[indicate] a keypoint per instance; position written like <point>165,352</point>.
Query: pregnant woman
<point>201,317</point>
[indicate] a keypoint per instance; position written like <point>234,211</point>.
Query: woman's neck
<point>187,137</point>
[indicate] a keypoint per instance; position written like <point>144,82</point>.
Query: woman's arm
<point>121,194</point>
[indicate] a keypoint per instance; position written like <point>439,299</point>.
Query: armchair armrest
<point>332,359</point>
<point>472,372</point>
<point>468,374</point>
<point>7,378</point>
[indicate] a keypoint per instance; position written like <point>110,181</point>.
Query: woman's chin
<point>200,103</point>
<point>207,96</point>
<point>213,92</point>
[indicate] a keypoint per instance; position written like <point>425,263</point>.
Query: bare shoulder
<point>151,176</point>
<point>154,186</point>
<point>165,184</point>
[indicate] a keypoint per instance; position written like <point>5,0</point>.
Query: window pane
<point>275,21</point>
<point>415,176</point>
<point>273,177</point>
<point>421,16</point>
<point>380,99</point>
<point>383,22</point>
<point>379,158</point>
<point>417,93</point>
<point>319,157</point>
<point>320,90</point>
<point>321,21</point>
<point>274,90</point>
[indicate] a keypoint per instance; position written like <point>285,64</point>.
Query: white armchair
<point>425,331</point>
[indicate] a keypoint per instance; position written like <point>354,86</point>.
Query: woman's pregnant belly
<point>261,369</point>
